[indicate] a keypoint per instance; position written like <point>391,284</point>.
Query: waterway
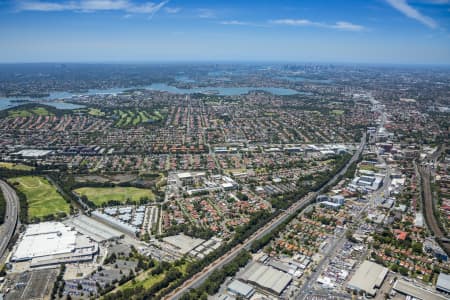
<point>8,102</point>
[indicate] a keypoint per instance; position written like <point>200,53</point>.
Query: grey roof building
<point>443,283</point>
<point>368,278</point>
<point>241,289</point>
<point>267,278</point>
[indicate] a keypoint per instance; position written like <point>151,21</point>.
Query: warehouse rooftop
<point>368,278</point>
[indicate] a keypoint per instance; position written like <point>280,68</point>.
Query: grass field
<point>337,112</point>
<point>13,166</point>
<point>369,168</point>
<point>101,195</point>
<point>42,197</point>
<point>127,118</point>
<point>40,111</point>
<point>146,280</point>
<point>96,112</point>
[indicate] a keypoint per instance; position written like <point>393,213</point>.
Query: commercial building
<point>416,292</point>
<point>431,247</point>
<point>183,243</point>
<point>443,283</point>
<point>115,223</point>
<point>334,202</point>
<point>95,230</point>
<point>50,243</point>
<point>322,198</point>
<point>331,205</point>
<point>368,278</point>
<point>189,178</point>
<point>32,153</point>
<point>368,182</point>
<point>241,289</point>
<point>267,278</point>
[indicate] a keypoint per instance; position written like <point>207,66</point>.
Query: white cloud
<point>45,6</point>
<point>206,13</point>
<point>348,26</point>
<point>409,11</point>
<point>147,8</point>
<point>172,10</point>
<point>92,5</point>
<point>436,1</point>
<point>342,25</point>
<point>295,22</point>
<point>234,22</point>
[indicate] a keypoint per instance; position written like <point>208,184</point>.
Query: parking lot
<point>31,285</point>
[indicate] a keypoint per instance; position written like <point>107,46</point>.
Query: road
<point>305,290</point>
<point>200,277</point>
<point>11,218</point>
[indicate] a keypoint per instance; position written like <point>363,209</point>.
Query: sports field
<point>42,197</point>
<point>14,166</point>
<point>101,195</point>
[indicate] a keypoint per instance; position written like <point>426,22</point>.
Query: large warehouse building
<point>443,283</point>
<point>95,230</point>
<point>416,292</point>
<point>241,289</point>
<point>267,278</point>
<point>368,278</point>
<point>50,243</point>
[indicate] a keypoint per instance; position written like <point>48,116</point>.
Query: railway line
<point>428,207</point>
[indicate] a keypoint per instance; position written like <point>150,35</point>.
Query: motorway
<point>200,277</point>
<point>11,218</point>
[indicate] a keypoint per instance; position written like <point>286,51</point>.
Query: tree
<point>404,271</point>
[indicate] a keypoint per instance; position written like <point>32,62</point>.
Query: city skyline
<point>378,31</point>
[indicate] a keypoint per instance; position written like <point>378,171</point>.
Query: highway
<point>200,277</point>
<point>11,218</point>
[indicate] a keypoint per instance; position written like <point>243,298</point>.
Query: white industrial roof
<point>43,239</point>
<point>415,291</point>
<point>33,152</point>
<point>443,282</point>
<point>184,175</point>
<point>368,277</point>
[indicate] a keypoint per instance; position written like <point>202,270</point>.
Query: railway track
<point>428,207</point>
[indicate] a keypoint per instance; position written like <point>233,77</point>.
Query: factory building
<point>368,278</point>
<point>241,289</point>
<point>51,243</point>
<point>115,223</point>
<point>267,278</point>
<point>443,283</point>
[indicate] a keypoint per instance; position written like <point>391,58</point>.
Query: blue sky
<point>367,31</point>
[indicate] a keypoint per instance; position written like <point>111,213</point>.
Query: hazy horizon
<point>367,32</point>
